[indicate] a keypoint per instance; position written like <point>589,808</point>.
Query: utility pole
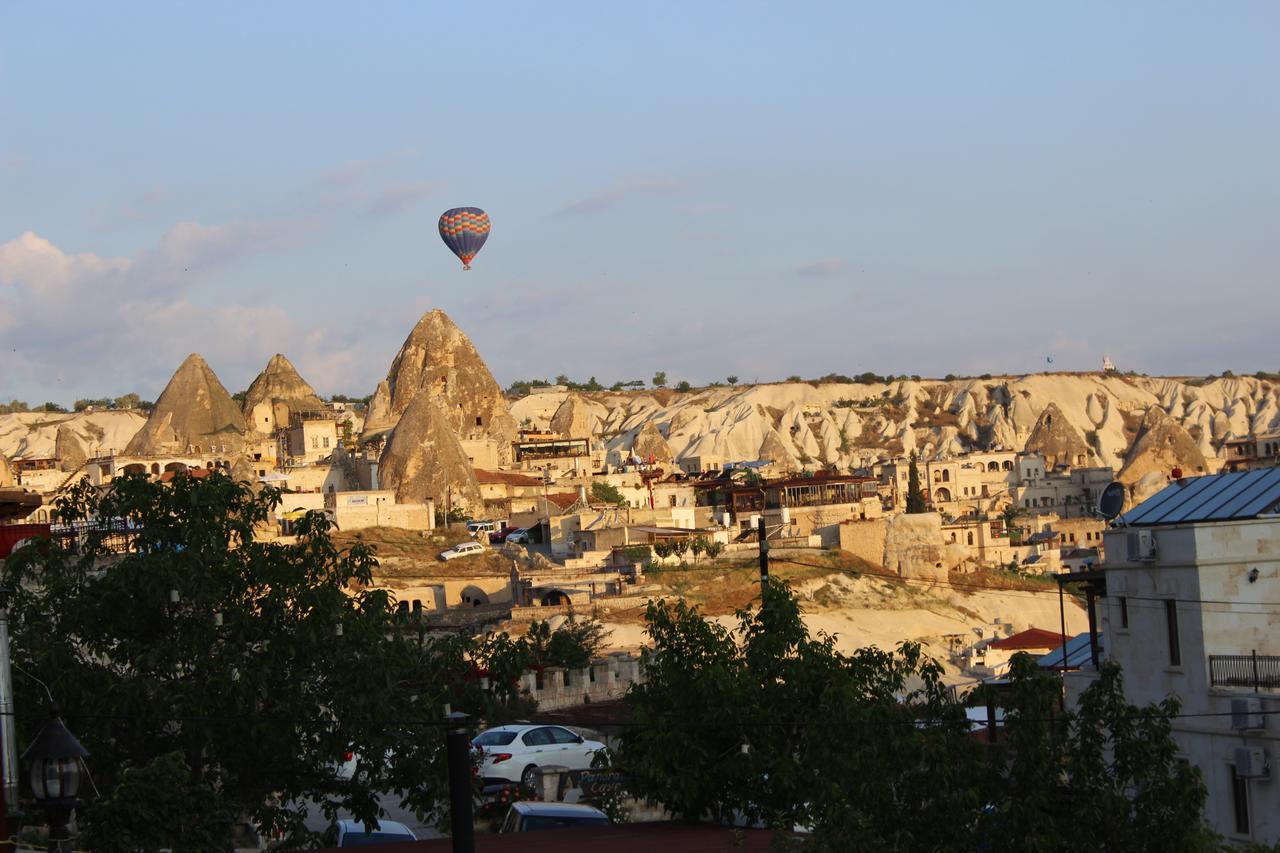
<point>458,747</point>
<point>763,534</point>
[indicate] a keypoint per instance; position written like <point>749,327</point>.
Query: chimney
<point>582,494</point>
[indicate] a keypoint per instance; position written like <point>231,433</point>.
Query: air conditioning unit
<point>1246,713</point>
<point>1252,763</point>
<point>1141,545</point>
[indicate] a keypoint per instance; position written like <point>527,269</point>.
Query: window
<point>494,739</point>
<point>479,420</point>
<point>970,537</point>
<point>1240,801</point>
<point>1124,612</point>
<point>537,737</point>
<point>559,735</point>
<point>326,441</point>
<point>315,442</point>
<point>1171,621</point>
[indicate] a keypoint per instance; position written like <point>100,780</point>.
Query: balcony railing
<point>1254,671</point>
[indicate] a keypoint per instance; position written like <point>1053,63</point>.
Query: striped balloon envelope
<point>464,230</point>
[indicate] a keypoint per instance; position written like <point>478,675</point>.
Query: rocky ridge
<point>1099,416</point>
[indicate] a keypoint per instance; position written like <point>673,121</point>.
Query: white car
<point>520,537</point>
<point>531,816</point>
<point>514,753</point>
<point>480,528</point>
<point>462,549</point>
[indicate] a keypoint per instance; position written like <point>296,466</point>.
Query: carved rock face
<point>438,360</point>
<point>284,390</point>
<point>194,410</point>
<point>424,459</point>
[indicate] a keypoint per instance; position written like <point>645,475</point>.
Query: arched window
<point>993,465</point>
<point>1007,466</point>
<point>946,475</point>
<point>970,537</point>
<point>155,467</point>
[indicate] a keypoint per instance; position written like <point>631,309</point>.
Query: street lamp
<point>54,757</point>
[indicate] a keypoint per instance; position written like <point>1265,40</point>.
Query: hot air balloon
<point>464,230</point>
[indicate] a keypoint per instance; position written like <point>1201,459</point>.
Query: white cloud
<point>77,324</point>
<point>399,197</point>
<point>616,195</point>
<point>825,267</point>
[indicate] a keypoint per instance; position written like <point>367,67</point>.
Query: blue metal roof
<point>1078,653</point>
<point>1216,497</point>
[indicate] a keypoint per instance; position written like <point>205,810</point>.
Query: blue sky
<point>705,189</point>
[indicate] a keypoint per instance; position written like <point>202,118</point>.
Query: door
<point>573,753</point>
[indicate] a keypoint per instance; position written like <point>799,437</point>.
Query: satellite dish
<point>1111,501</point>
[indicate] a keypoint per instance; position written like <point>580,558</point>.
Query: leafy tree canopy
<point>258,664</point>
<point>784,728</point>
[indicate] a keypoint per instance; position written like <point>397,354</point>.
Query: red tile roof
<point>564,500</point>
<point>1032,638</point>
<point>490,478</point>
<point>194,473</point>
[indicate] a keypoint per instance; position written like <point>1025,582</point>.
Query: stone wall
<point>865,539</point>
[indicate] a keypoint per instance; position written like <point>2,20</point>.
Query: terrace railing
<point>1254,671</point>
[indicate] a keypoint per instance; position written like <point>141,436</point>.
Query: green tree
<point>606,493</point>
<point>13,406</point>
<point>714,549</point>
<point>785,729</point>
<point>593,385</point>
<point>663,549</point>
<point>204,641</point>
<point>732,380</point>
<point>684,387</point>
<point>52,407</point>
<point>562,380</point>
<point>158,807</point>
<point>101,403</point>
<point>698,546</point>
<point>915,497</point>
<point>1113,761</point>
<point>660,379</point>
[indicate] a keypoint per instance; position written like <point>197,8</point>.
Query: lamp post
<point>54,757</point>
<point>8,739</point>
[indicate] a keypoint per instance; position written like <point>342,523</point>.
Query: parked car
<point>497,537</point>
<point>462,549</point>
<point>531,816</point>
<point>480,528</point>
<point>519,537</point>
<point>353,834</point>
<point>514,753</point>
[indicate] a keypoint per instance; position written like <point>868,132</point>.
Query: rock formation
<point>424,459</point>
<point>650,443</point>
<point>194,411</point>
<point>913,549</point>
<point>573,418</point>
<point>379,418</point>
<point>1161,445</point>
<point>1057,440</point>
<point>68,449</point>
<point>280,391</point>
<point>6,472</point>
<point>439,361</point>
<point>774,449</point>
